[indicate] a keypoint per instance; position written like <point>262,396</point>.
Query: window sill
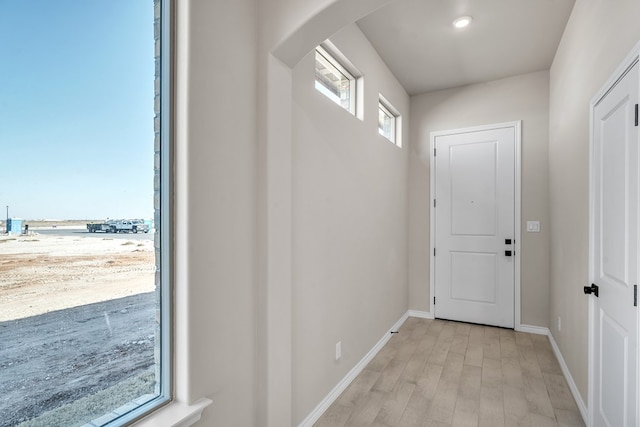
<point>175,414</point>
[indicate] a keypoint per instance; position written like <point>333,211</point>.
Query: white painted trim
<point>591,309</point>
<point>517,224</point>
<point>420,314</point>
<point>353,373</point>
<point>626,64</point>
<point>590,355</point>
<point>530,329</point>
<point>567,375</point>
<point>432,225</point>
<point>517,126</point>
<point>175,414</point>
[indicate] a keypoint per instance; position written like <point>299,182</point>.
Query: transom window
<point>388,119</point>
<point>334,80</point>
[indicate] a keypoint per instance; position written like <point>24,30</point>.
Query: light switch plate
<point>533,226</point>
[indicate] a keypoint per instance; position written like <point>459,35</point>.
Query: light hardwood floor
<point>436,373</point>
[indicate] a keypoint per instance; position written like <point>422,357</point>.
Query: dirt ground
<point>39,274</point>
<point>77,315</point>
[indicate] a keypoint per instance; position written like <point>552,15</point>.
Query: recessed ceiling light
<point>462,22</point>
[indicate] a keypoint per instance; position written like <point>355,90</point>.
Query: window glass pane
<point>81,191</point>
<point>386,123</point>
<point>332,82</point>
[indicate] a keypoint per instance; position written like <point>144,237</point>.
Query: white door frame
<point>625,65</point>
<point>517,127</point>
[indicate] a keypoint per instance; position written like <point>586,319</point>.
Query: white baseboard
<point>530,329</point>
<point>570,381</point>
<point>420,314</point>
<point>353,373</point>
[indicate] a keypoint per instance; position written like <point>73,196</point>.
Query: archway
<point>275,106</point>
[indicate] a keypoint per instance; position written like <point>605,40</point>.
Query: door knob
<point>507,253</point>
<point>593,289</point>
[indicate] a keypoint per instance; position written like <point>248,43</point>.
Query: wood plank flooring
<point>436,373</point>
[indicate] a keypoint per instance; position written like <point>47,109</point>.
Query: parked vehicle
<point>120,226</point>
<point>92,228</point>
<point>140,226</point>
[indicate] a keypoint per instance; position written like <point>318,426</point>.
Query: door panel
<point>615,251</point>
<point>474,214</point>
<point>474,277</point>
<point>473,172</point>
<point>615,262</point>
<point>614,365</point>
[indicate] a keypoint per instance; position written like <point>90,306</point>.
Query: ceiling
<point>417,41</point>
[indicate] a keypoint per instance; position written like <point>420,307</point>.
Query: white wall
<point>598,36</point>
<point>349,224</point>
<point>215,297</point>
<point>523,98</point>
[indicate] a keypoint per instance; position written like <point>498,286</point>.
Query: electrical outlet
<point>559,323</point>
<point>338,350</point>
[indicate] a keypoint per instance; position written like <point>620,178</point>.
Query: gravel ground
<point>56,358</point>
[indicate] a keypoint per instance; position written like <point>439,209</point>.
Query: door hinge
<point>635,295</point>
<point>434,152</point>
<point>434,251</point>
<point>434,300</point>
<point>434,203</point>
<point>636,114</point>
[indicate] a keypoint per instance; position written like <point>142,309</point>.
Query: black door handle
<point>593,289</point>
<point>507,253</point>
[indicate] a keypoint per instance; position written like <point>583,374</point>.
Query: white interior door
<point>614,263</point>
<point>474,257</point>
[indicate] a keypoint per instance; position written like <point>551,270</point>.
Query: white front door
<point>614,255</point>
<point>474,209</point>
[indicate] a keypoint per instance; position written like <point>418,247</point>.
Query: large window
<point>84,185</point>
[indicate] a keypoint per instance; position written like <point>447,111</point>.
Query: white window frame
<point>330,55</point>
<point>395,136</point>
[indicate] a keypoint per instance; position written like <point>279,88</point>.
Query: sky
<point>76,109</point>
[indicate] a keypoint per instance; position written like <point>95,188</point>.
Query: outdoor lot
<point>77,315</point>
